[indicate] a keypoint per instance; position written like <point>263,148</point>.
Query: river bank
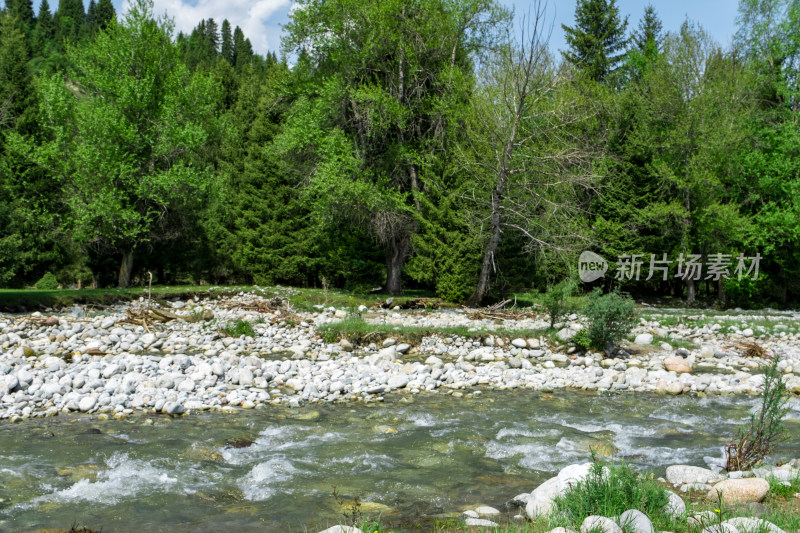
<point>106,363</point>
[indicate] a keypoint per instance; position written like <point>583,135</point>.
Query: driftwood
<point>262,306</point>
<point>752,349</point>
<point>496,312</point>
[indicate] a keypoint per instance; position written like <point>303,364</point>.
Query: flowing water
<point>275,469</point>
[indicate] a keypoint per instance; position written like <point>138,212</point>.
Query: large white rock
<point>599,523</point>
<point>636,522</point>
<point>753,525</point>
<point>643,338</point>
<point>676,507</point>
<point>540,501</point>
<point>571,475</point>
<point>397,382</point>
<point>683,474</point>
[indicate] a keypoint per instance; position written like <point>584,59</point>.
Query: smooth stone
<point>753,525</point>
<point>173,408</point>
<point>599,523</point>
<point>636,522</point>
<point>677,364</point>
<point>675,507</point>
<point>643,338</point>
<point>87,403</point>
<point>397,382</point>
<point>682,474</point>
<point>403,348</point>
<point>485,510</point>
<point>540,501</point>
<point>744,490</point>
<point>346,345</point>
<point>720,528</point>
<point>519,343</point>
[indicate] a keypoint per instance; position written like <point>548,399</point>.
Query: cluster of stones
<point>734,489</point>
<point>52,364</point>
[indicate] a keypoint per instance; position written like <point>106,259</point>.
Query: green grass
<point>727,324</point>
<point>777,488</point>
<point>675,343</point>
<point>306,298</point>
<point>239,328</point>
<point>359,331</point>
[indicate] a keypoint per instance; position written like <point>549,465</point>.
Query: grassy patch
<point>675,343</point>
<point>239,328</point>
<point>609,490</point>
<point>778,489</point>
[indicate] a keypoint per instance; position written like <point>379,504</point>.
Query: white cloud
<point>258,18</point>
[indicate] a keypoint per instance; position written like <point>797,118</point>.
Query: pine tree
<point>44,31</point>
<point>22,10</point>
<point>227,42</point>
<point>211,34</point>
<point>15,80</point>
<point>240,59</point>
<point>69,20</point>
<point>90,20</point>
<point>648,37</point>
<point>104,14</point>
<point>598,39</point>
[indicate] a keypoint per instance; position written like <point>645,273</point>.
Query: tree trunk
<point>721,295</point>
<point>487,265</point>
<point>125,269</point>
<point>396,254</point>
<point>690,291</point>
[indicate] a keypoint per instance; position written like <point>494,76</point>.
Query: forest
<point>438,145</point>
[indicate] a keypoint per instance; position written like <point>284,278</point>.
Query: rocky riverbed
<point>105,363</point>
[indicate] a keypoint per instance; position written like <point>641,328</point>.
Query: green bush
<point>746,292</point>
<point>581,339</point>
<point>556,300</point>
<point>609,490</point>
<point>766,430</point>
<point>610,317</point>
<point>47,283</point>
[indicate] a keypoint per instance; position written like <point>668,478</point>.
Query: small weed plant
<point>610,317</point>
<point>754,442</point>
<point>239,328</point>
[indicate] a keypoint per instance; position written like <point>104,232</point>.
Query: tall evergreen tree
<point>104,14</point>
<point>648,37</point>
<point>227,42</point>
<point>69,20</point>
<point>22,10</point>
<point>597,41</point>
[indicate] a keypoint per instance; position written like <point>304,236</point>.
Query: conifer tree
<point>227,42</point>
<point>597,41</point>
<point>648,37</point>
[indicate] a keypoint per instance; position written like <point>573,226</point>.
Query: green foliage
<point>556,300</point>
<point>746,292</point>
<point>47,283</point>
<point>124,134</point>
<point>609,490</point>
<point>766,429</point>
<point>610,317</point>
<point>238,328</point>
<point>582,340</point>
<point>597,41</point>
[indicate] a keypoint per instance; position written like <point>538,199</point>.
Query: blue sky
<point>261,20</point>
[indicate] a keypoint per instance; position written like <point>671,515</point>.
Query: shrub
<point>610,317</point>
<point>581,339</point>
<point>47,283</point>
<point>766,430</point>
<point>556,300</point>
<point>609,490</point>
